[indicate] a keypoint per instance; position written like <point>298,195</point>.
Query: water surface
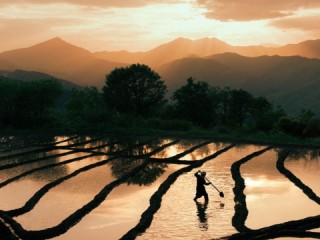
<point>272,196</point>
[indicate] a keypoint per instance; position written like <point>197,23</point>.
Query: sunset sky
<point>139,25</point>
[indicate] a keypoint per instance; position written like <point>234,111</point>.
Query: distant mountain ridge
<point>182,48</point>
<point>22,75</point>
<point>277,78</point>
<point>60,59</point>
<point>288,75</point>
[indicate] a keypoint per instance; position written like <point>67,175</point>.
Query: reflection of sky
<point>307,169</point>
<point>18,192</point>
<point>203,152</point>
<point>271,197</point>
<point>175,149</point>
<point>178,217</point>
<point>197,154</point>
<point>9,173</point>
<point>118,213</point>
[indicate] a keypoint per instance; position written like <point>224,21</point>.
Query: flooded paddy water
<point>115,187</point>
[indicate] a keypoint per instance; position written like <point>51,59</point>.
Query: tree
<point>35,101</point>
<point>239,105</point>
<point>8,93</point>
<point>261,110</point>
<point>86,107</point>
<point>28,104</point>
<point>135,90</point>
<point>196,102</point>
<point>224,104</point>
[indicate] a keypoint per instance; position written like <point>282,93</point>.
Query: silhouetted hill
<point>293,82</point>
<point>60,59</point>
<point>217,74</point>
<point>183,47</point>
<point>176,49</point>
<point>309,49</point>
<point>22,75</point>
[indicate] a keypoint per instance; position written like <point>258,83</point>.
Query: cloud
<point>306,23</point>
<point>16,32</point>
<point>92,3</point>
<point>249,10</point>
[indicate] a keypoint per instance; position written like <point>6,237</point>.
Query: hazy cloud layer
<point>92,3</point>
<point>246,10</point>
<point>307,23</point>
<point>139,25</point>
<point>18,33</point>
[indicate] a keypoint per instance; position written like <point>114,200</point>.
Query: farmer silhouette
<point>201,182</point>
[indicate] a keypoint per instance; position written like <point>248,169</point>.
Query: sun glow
<point>262,182</point>
<point>142,25</point>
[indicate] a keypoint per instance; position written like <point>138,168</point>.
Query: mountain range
<point>22,75</point>
<point>183,47</point>
<point>59,59</point>
<point>287,75</point>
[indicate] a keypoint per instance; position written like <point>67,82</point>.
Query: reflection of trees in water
<point>306,156</point>
<point>288,174</point>
<point>131,163</point>
<point>208,149</point>
<point>9,143</point>
<point>203,150</point>
<point>133,146</point>
<point>149,174</point>
<point>50,174</point>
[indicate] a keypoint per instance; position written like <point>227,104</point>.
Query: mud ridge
<point>74,218</point>
<point>296,181</point>
<point>146,155</point>
<point>156,198</point>
<point>298,227</point>
<point>10,180</point>
<point>241,211</point>
<point>189,162</point>
<point>13,165</point>
<point>31,203</point>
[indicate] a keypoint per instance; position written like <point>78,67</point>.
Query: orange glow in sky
<point>139,25</point>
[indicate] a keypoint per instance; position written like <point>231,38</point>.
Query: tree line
<point>136,97</point>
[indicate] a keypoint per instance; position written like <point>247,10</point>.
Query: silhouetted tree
<point>261,110</point>
<point>290,125</point>
<point>135,90</point>
<point>240,103</point>
<point>224,104</point>
<point>196,102</point>
<point>86,108</point>
<point>8,94</point>
<point>304,125</point>
<point>28,104</point>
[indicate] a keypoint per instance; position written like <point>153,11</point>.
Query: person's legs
<point>206,197</point>
<point>198,195</point>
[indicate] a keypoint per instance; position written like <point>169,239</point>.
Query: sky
<point>140,25</point>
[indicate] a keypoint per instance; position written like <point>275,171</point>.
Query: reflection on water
<point>202,216</point>
<point>54,157</point>
<point>15,194</point>
<point>271,197</point>
<point>178,217</point>
<point>306,168</point>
